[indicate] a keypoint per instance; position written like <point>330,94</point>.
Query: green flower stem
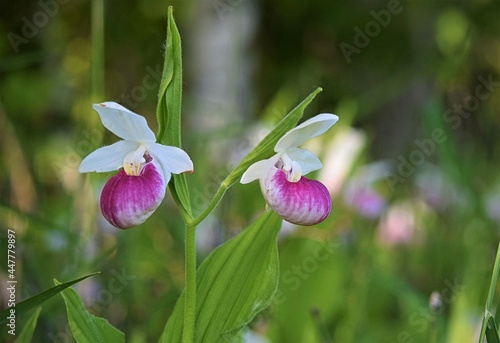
<point>213,203</point>
<point>97,51</point>
<point>491,294</point>
<point>190,258</point>
<point>190,291</point>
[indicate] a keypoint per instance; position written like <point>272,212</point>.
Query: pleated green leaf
<point>85,327</point>
<point>27,333</point>
<point>28,304</point>
<point>265,148</point>
<point>235,282</point>
<point>169,106</point>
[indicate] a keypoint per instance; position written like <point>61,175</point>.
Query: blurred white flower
<point>492,204</point>
<point>340,155</point>
<point>435,188</point>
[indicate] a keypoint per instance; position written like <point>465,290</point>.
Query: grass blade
<point>28,304</point>
<point>489,300</point>
<point>27,333</point>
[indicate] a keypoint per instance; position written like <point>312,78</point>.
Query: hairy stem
<point>190,258</point>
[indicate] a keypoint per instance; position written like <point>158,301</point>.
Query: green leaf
<point>86,327</point>
<point>28,304</point>
<point>492,331</point>
<point>169,108</point>
<point>265,148</point>
<point>235,282</point>
<point>170,95</point>
<point>27,333</point>
<point>485,325</point>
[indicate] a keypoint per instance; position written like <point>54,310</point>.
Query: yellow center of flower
<point>134,161</point>
<point>292,168</point>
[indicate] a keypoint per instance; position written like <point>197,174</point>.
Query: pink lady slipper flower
<point>295,198</point>
<point>131,196</point>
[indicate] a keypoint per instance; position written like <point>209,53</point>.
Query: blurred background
<point>412,165</point>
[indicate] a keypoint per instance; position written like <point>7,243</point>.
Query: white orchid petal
<point>171,159</point>
<point>313,127</point>
<point>307,160</point>
<point>107,158</point>
<point>259,170</point>
<point>124,123</point>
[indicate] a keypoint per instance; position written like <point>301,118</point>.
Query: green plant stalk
<point>491,294</point>
<point>190,263</point>
<point>433,330</point>
<point>190,288</point>
<point>213,203</point>
<point>97,50</point>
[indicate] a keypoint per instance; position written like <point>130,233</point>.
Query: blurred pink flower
<point>366,201</point>
<point>360,193</point>
<point>397,226</point>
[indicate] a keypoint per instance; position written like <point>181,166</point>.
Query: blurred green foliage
<point>357,277</point>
